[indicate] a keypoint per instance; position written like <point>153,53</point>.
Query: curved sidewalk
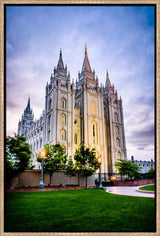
<point>130,191</point>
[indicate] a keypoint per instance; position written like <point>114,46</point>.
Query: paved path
<point>130,191</point>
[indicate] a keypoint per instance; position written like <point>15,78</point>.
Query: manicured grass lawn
<point>78,211</point>
<point>148,188</point>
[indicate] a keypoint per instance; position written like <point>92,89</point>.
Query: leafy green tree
<point>126,167</point>
<point>134,170</point>
<point>18,156</point>
<point>70,168</point>
<point>18,153</point>
<point>151,173</point>
<point>86,161</point>
<point>55,158</point>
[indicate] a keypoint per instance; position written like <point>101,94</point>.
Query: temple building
<point>78,113</point>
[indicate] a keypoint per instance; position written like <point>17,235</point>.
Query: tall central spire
<point>86,65</point>
<point>60,62</point>
<point>28,105</point>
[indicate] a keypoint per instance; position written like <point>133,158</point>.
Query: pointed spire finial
<point>85,47</point>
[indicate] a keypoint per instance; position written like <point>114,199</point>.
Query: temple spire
<point>28,105</point>
<point>108,83</point>
<point>60,61</point>
<point>86,65</point>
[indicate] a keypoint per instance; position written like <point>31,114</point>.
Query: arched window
<point>118,142</point>
<point>63,134</point>
<point>49,120</point>
<point>48,135</point>
<point>118,155</point>
<point>63,103</point>
<point>94,132</point>
<point>115,117</point>
<point>117,130</point>
<point>75,138</point>
<point>63,119</point>
<point>40,143</point>
<point>93,107</point>
<point>49,105</point>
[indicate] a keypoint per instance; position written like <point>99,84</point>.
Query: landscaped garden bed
<point>133,182</point>
<point>27,188</point>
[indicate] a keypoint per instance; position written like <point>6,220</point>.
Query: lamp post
<point>100,183</point>
<point>41,184</point>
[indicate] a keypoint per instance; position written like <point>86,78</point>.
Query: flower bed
<point>133,183</point>
<point>30,189</point>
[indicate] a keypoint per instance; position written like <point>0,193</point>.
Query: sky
<point>119,39</point>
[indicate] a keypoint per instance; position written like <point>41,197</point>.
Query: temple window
<point>48,135</point>
<point>49,120</point>
<point>75,138</point>
<point>64,103</point>
<point>117,130</point>
<point>93,107</point>
<point>63,134</point>
<point>118,155</point>
<point>63,119</point>
<point>94,132</point>
<point>118,142</point>
<point>115,117</point>
<point>49,106</point>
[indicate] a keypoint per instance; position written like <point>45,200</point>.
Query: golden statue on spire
<point>85,47</point>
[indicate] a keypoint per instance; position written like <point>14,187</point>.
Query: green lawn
<point>78,211</point>
<point>148,188</point>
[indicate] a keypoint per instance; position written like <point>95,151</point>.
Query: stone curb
<point>144,191</point>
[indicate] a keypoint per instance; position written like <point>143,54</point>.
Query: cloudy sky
<point>119,39</point>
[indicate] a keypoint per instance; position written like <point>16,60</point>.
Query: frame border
<point>3,100</point>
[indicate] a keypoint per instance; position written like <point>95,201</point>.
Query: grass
<point>148,188</point>
<point>88,210</point>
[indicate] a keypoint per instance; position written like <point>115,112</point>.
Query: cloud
<point>119,38</point>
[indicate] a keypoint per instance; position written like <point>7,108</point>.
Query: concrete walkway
<point>130,191</point>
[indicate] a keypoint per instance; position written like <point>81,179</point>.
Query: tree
<point>18,156</point>
<point>126,167</point>
<point>134,170</point>
<point>70,168</point>
<point>55,158</point>
<point>86,161</point>
<point>151,173</point>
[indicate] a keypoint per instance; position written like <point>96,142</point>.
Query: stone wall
<point>133,183</point>
<point>32,177</point>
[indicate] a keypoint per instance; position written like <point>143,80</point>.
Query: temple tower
<point>89,97</point>
<point>115,135</point>
<point>26,120</point>
<point>59,108</point>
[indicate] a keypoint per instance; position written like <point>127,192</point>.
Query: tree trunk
<point>78,178</point>
<point>50,178</point>
<point>86,181</point>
